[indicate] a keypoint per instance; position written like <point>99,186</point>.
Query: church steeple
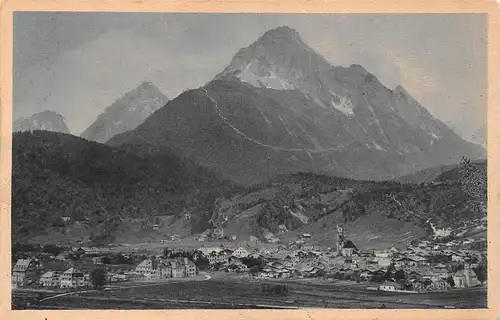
<point>340,239</point>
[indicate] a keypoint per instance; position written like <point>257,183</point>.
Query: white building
<point>383,261</point>
<point>465,278</point>
<point>51,279</point>
<point>240,252</point>
<point>23,272</point>
<point>74,278</point>
<point>93,251</point>
<point>390,286</point>
<point>381,254</point>
<point>153,269</point>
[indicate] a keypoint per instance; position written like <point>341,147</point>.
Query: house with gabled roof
<point>51,279</point>
<point>465,278</point>
<point>24,271</point>
<point>390,286</point>
<point>348,249</point>
<point>74,278</point>
<point>405,262</point>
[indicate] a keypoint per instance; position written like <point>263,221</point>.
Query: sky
<point>77,64</point>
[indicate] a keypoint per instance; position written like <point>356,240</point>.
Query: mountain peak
<point>46,120</point>
<point>401,90</point>
<point>146,85</point>
<point>282,32</point>
<point>127,112</point>
<point>273,60</point>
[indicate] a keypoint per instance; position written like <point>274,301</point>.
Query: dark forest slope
<point>56,175</point>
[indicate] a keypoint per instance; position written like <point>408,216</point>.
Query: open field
<point>241,294</point>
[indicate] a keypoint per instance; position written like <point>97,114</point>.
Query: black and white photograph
<point>166,160</point>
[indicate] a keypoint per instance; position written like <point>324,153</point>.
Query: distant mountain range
<point>280,142</point>
<point>126,113</point>
<point>280,108</point>
<point>111,194</point>
<point>46,120</point>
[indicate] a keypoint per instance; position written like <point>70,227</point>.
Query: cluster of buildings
<point>69,279</point>
<point>27,271</point>
<point>423,267</point>
<point>158,268</point>
<point>61,272</point>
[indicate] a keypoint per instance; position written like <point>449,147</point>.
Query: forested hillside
<point>56,175</point>
<point>456,200</point>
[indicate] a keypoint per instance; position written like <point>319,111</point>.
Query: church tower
<point>340,239</point>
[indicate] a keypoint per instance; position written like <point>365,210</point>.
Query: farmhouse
<point>349,249</point>
<point>465,278</point>
<point>390,286</point>
<point>51,279</point>
<point>206,251</point>
<point>405,262</point>
<point>24,271</point>
<point>381,254</point>
<point>383,262</point>
<point>218,234</point>
<point>154,269</point>
<point>221,257</point>
<point>74,278</point>
<point>240,252</point>
<point>435,276</point>
<point>90,251</point>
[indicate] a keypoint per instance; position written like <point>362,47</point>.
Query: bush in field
<point>481,273</point>
<point>251,262</point>
<point>202,263</point>
<point>256,269</point>
<point>399,275</point>
<point>98,278</point>
<point>278,290</point>
<point>450,281</point>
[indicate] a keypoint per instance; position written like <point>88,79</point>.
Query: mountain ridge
<point>126,113</point>
<point>274,110</point>
<point>45,120</point>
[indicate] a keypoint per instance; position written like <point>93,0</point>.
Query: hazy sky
<point>79,63</point>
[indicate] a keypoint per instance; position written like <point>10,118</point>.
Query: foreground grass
<point>217,293</point>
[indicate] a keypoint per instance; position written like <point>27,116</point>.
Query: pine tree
<point>98,278</point>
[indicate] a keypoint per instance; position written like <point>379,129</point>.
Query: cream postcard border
<point>491,8</point>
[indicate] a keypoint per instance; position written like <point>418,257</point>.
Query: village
<point>423,267</point>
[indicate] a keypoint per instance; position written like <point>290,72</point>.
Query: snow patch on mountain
<point>299,215</point>
<point>378,147</point>
<point>342,104</point>
<point>46,120</point>
<point>271,80</point>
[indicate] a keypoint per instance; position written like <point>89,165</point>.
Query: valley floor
<point>215,292</point>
